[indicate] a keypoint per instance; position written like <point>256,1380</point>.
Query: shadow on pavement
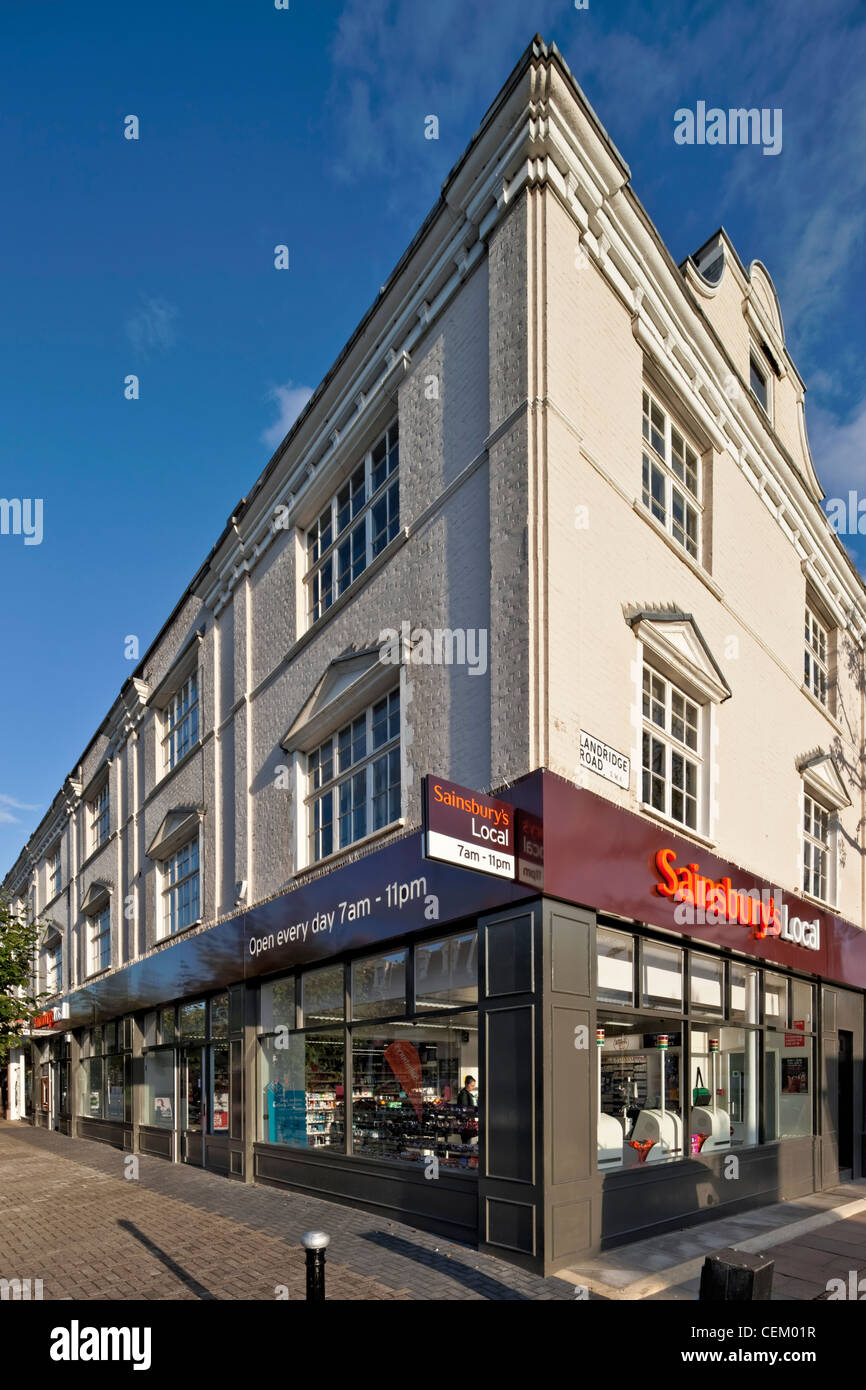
<point>177,1270</point>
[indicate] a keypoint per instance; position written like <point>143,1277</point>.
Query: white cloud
<point>838,449</point>
<point>152,327</point>
<point>8,804</point>
<point>291,401</point>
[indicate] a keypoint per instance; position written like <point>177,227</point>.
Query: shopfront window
<point>706,984</point>
<point>407,1081</point>
<point>415,1086</point>
<point>278,1005</point>
<point>219,1016</point>
<point>661,975</point>
<point>712,1092</point>
<point>303,1089</point>
<point>114,1088</point>
<point>640,1062</point>
<point>744,993</point>
<point>379,986</point>
<point>788,1085</point>
<point>775,1001</point>
<point>446,972</point>
<point>105,1071</point>
<point>723,1090</point>
<point>159,1088</point>
<point>322,996</point>
<point>802,1006</point>
<point>218,1108</point>
<point>615,967</point>
<point>192,1021</point>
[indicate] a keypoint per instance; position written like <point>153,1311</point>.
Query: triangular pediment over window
<point>821,776</point>
<point>346,687</point>
<point>96,898</point>
<point>178,827</point>
<point>678,647</point>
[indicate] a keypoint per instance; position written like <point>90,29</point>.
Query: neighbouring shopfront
<point>543,1065</point>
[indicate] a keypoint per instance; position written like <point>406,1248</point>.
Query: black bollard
<point>315,1243</point>
<point>734,1276</point>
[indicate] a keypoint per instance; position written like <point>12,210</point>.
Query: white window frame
<point>330,754</point>
<point>100,817</point>
<point>55,873</point>
<point>659,446</point>
<point>816,657</point>
<point>98,932</point>
<point>334,559</point>
<point>54,968</point>
<point>181,723</point>
<point>678,710</point>
<point>172,887</point>
<point>818,834</point>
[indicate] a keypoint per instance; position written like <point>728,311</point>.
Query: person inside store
<point>467,1097</point>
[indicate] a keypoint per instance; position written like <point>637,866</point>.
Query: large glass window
<point>446,972</point>
<point>745,982</point>
<point>322,996</point>
<point>409,1080</point>
<point>218,1083</point>
<point>159,1088</point>
<point>706,984</point>
<point>354,779</point>
<point>114,1091</point>
<point>661,975</point>
<point>788,1085</point>
<point>415,1089</point>
<point>303,1089</point>
<point>776,1001</point>
<point>639,1062</point>
<point>815,677</point>
<point>379,986</point>
<point>105,1079</point>
<point>724,1088</point>
<point>192,1020</point>
<point>91,1087</point>
<point>278,1005</point>
<point>615,967</point>
<point>358,522</point>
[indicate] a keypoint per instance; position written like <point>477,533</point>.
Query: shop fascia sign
<point>49,1018</point>
<point>706,900</point>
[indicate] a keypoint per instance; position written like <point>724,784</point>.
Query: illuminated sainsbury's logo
<point>707,902</point>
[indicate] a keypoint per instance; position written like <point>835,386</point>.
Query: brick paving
<point>69,1217</point>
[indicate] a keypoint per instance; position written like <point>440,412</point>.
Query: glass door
<point>192,1106</point>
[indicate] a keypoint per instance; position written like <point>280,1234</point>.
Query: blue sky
<point>261,126</point>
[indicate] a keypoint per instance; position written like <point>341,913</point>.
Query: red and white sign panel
<point>463,827</point>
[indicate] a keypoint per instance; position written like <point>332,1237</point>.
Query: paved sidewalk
<point>70,1218</point>
<point>817,1238</point>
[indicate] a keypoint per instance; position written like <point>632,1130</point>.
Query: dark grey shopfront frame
<point>539,1199</point>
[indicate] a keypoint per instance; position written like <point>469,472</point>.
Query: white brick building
<point>546,432</point>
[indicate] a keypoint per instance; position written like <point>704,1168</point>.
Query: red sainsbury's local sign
<point>717,901</point>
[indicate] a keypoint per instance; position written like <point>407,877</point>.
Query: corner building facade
<point>571,481</point>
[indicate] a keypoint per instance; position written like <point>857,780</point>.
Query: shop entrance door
<point>192,1106</point>
<point>845,1128</point>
